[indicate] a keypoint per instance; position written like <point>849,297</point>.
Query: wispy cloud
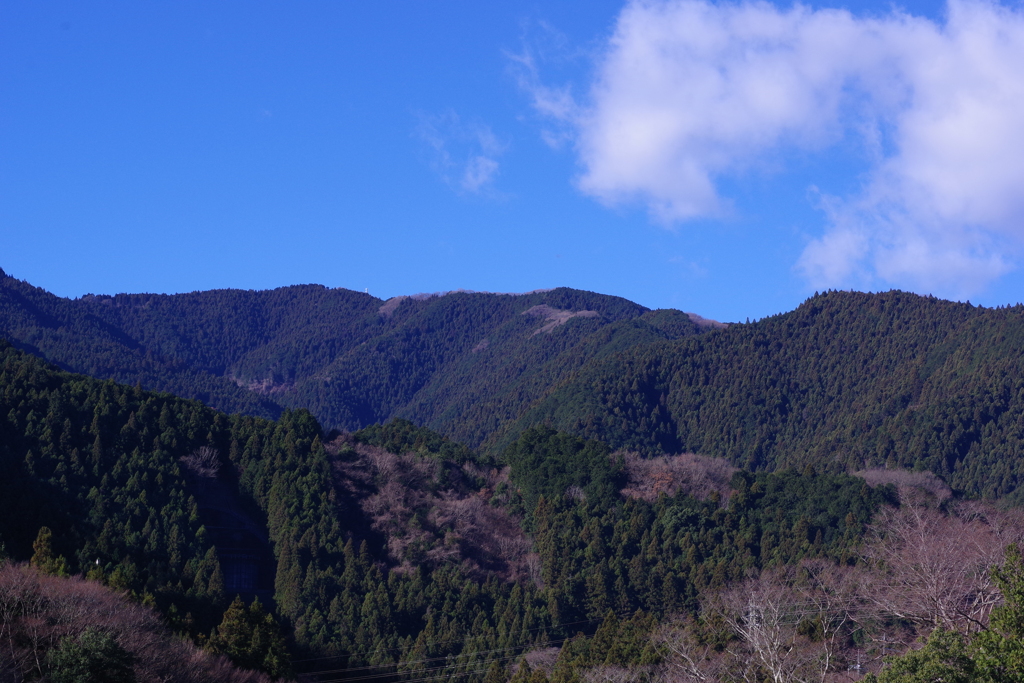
<point>464,155</point>
<point>689,93</point>
<point>556,105</point>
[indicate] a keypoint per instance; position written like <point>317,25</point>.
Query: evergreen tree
<point>999,651</point>
<point>943,659</point>
<point>43,558</point>
<point>93,657</point>
<point>495,673</point>
<point>251,638</point>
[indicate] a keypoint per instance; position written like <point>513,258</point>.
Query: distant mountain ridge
<point>465,363</point>
<point>844,381</point>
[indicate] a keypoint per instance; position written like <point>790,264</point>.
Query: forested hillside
<point>464,363</point>
<point>397,553</point>
<point>68,629</point>
<point>846,381</point>
<point>104,478</point>
<point>364,571</point>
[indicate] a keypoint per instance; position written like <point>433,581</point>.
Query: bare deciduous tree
<point>834,598</point>
<point>762,613</point>
<point>38,611</point>
<point>791,623</point>
<point>695,475</point>
<point>933,569</point>
<point>203,462</point>
<point>688,658</point>
<point>427,517</point>
<point>614,674</point>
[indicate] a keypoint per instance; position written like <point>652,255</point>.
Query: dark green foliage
<point>93,657</point>
<point>401,436</point>
<point>98,463</point>
<point>252,639</point>
<point>160,349</point>
<point>103,466</point>
<point>944,658</point>
<point>999,650</point>
<point>547,463</point>
<point>43,558</point>
<point>658,557</point>
<point>495,673</point>
<point>465,364</point>
<point>846,380</point>
<point>616,642</point>
<point>796,515</point>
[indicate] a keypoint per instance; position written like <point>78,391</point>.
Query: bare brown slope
<point>39,612</point>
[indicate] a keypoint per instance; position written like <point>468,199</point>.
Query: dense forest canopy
<point>461,363</point>
<point>847,380</point>
<point>553,486</point>
<point>116,475</point>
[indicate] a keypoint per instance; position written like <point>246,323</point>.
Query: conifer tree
<point>43,558</point>
<point>495,673</point>
<point>251,638</point>
<point>1000,649</point>
<point>522,674</point>
<point>93,657</point>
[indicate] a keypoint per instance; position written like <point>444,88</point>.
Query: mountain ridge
<point>846,380</point>
<point>351,358</point>
<point>399,539</point>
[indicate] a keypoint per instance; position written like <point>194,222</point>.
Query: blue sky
<point>725,159</point>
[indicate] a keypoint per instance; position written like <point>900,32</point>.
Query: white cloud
<point>689,93</point>
<point>464,155</point>
<point>555,104</point>
<point>479,172</point>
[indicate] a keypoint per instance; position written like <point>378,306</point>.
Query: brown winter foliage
<point>38,611</point>
<point>616,674</point>
<point>553,317</point>
<point>430,512</point>
<point>912,486</point>
<point>202,462</point>
<point>922,568</point>
<point>789,624</point>
<point>695,475</point>
<point>933,569</point>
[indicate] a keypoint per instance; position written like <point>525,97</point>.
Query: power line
<point>414,672</point>
<point>421,680</point>
<point>447,666</point>
<point>462,655</point>
<point>423,670</point>
<point>366,655</point>
<point>549,643</point>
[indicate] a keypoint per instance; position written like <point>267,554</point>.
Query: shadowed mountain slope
<point>464,363</point>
